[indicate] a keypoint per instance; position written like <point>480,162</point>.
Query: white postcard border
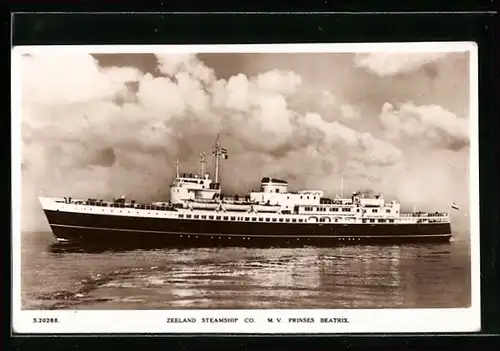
<point>249,321</point>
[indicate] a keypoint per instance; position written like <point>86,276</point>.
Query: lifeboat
<point>203,205</point>
<point>266,208</point>
<point>238,207</point>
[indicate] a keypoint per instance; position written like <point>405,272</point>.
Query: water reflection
<point>308,277</point>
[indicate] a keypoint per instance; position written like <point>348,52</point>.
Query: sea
<point>55,276</point>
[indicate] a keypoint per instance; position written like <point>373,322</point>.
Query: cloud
<point>390,64</point>
<point>359,145</point>
<point>94,132</point>
<point>428,124</point>
<point>349,112</point>
<point>49,79</point>
<point>172,63</point>
<point>280,82</point>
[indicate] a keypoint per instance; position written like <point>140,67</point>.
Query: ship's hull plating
<point>93,229</point>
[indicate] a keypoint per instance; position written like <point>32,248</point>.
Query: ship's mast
<point>177,168</point>
<point>202,164</point>
<point>216,153</point>
<point>342,185</point>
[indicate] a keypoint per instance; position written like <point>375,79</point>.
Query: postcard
<point>253,189</point>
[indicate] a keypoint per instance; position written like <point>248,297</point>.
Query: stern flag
<point>454,206</point>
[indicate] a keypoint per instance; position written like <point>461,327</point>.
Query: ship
<point>199,214</point>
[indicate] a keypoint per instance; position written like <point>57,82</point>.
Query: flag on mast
<point>223,153</point>
<point>454,206</point>
<point>219,151</point>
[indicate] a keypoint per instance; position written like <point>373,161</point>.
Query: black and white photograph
<point>245,188</point>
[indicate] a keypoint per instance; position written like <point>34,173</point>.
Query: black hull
<point>121,231</point>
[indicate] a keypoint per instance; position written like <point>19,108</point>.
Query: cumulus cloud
<point>280,82</point>
<point>390,64</point>
<point>49,79</point>
<point>172,63</point>
<point>323,102</point>
<point>360,145</point>
<point>349,112</point>
<point>429,124</point>
<point>94,132</point>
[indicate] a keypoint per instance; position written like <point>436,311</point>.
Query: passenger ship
<point>199,214</point>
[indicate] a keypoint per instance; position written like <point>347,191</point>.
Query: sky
<point>106,125</point>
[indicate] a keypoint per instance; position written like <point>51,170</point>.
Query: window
<point>374,210</point>
<point>261,219</point>
<point>210,217</point>
<point>233,218</point>
<point>287,219</point>
<point>308,198</point>
<point>322,219</point>
<point>294,220</point>
<point>281,219</point>
<point>274,219</point>
<point>203,217</point>
<point>372,220</point>
<point>388,211</point>
<point>267,219</point>
<point>196,216</point>
<point>218,217</point>
<point>301,220</point>
<point>247,218</point>
<point>346,210</point>
<point>225,218</point>
<point>381,220</point>
<point>188,216</point>
<point>181,216</point>
<point>254,218</point>
<point>301,197</point>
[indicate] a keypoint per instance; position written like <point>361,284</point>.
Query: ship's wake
<point>64,299</point>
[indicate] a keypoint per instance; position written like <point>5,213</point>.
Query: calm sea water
<point>404,276</point>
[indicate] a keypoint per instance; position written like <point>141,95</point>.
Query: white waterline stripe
<point>251,235</point>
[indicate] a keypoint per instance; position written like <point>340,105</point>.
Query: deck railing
<point>424,214</point>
